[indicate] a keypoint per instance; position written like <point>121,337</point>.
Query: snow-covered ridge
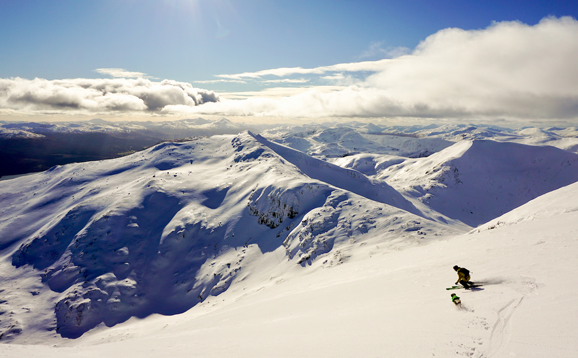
<point>240,236</point>
<point>332,143</point>
<point>557,202</point>
<point>476,181</point>
<point>161,230</point>
<point>6,133</point>
<point>34,147</point>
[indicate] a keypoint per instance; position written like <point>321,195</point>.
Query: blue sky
<point>192,40</point>
<point>199,41</point>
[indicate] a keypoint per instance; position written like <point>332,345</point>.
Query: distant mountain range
<point>27,147</point>
<point>34,147</point>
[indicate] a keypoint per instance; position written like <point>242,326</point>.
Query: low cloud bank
<point>99,95</point>
<point>508,70</point>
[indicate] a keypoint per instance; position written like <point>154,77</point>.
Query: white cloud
<point>221,81</point>
<point>287,80</point>
<point>98,95</point>
<point>341,79</point>
<point>271,93</point>
<point>375,50</point>
<point>508,70</point>
<point>351,101</point>
<point>370,66</point>
<point>120,73</point>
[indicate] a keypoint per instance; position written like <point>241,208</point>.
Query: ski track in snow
<point>478,324</point>
<point>501,329</point>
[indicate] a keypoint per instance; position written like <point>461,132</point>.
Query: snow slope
<point>239,246</point>
<point>476,181</point>
<point>383,302</point>
<point>161,230</point>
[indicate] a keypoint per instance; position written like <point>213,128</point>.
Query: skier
<point>463,276</point>
<point>456,300</point>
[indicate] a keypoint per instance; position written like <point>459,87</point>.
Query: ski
<point>475,286</point>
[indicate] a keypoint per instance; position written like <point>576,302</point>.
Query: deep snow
<point>250,248</point>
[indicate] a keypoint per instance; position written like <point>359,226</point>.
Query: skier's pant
<point>465,281</point>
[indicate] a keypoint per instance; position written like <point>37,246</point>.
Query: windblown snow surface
<point>238,246</point>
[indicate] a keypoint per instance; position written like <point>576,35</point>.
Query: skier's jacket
<point>463,274</point>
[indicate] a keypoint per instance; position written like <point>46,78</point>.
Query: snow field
<point>150,233</point>
<point>254,249</point>
<point>388,303</point>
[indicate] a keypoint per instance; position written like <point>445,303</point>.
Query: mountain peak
<point>475,181</point>
<point>98,121</point>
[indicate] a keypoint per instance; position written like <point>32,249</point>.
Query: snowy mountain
<point>34,147</point>
<point>476,181</point>
<point>563,138</point>
<point>555,203</point>
<point>150,232</point>
<point>244,245</point>
<point>342,141</point>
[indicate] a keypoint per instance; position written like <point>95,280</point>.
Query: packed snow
<point>315,241</point>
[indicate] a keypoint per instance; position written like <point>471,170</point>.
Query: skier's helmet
<point>456,267</point>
